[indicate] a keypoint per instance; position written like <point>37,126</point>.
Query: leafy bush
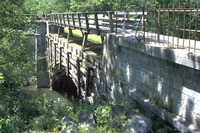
<point>17,114</point>
<point>103,115</point>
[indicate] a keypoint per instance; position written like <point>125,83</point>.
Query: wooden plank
<point>111,21</point>
<point>54,19</point>
<point>97,23</point>
<point>102,39</point>
<point>51,55</point>
<point>79,22</point>
<point>87,23</point>
<point>88,81</point>
<point>60,59</point>
<point>129,19</point>
<point>85,36</point>
<point>64,20</point>
<point>132,13</point>
<point>68,58</point>
<point>69,35</point>
<point>55,44</point>
<point>68,21</point>
<point>78,77</point>
<point>73,21</point>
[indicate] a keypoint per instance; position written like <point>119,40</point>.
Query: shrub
<point>103,115</point>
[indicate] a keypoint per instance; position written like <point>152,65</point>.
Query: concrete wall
<point>172,76</point>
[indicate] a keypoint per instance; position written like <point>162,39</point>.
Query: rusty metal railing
<point>174,27</point>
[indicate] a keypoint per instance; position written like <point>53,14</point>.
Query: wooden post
<point>68,21</point>
<point>55,44</point>
<point>125,23</point>
<point>87,23</point>
<point>85,36</point>
<point>48,46</point>
<point>64,20</point>
<point>79,22</point>
<point>102,39</point>
<point>60,60</point>
<point>60,19</point>
<point>73,21</point>
<point>68,61</point>
<point>97,23</point>
<point>57,19</point>
<point>58,30</point>
<point>78,76</point>
<point>54,19</point>
<point>51,56</point>
<point>88,81</point>
<point>116,23</point>
<point>111,22</point>
<point>69,35</point>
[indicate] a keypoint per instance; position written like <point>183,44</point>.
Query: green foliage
<point>153,98</point>
<point>160,126</point>
<point>19,113</point>
<point>98,130</point>
<point>16,60</point>
<point>37,6</point>
<point>49,6</point>
<point>103,114</point>
<point>1,78</point>
<point>160,103</point>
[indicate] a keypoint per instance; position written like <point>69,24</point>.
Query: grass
<point>158,102</point>
<point>92,38</point>
<point>94,43</point>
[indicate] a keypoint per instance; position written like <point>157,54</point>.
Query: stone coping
<point>178,56</point>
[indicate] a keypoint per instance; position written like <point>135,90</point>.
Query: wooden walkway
<point>101,23</point>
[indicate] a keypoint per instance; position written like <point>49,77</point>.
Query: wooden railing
<point>100,22</point>
<point>82,68</point>
<point>171,27</point>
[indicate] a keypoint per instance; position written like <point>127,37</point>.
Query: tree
<point>49,6</point>
<point>16,61</point>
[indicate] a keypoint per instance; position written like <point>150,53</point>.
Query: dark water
<point>33,92</point>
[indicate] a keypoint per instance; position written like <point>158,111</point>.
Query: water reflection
<point>33,92</point>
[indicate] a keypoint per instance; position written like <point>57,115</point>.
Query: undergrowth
<point>21,114</point>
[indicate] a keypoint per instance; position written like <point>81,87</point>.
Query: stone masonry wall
<point>40,51</point>
<point>172,76</point>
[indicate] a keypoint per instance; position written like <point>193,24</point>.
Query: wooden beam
<point>69,35</point>
<point>85,36</point>
<point>60,59</point>
<point>55,45</point>
<point>79,21</point>
<point>68,61</point>
<point>97,23</point>
<point>78,76</point>
<point>111,21</point>
<point>87,23</point>
<point>88,82</point>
